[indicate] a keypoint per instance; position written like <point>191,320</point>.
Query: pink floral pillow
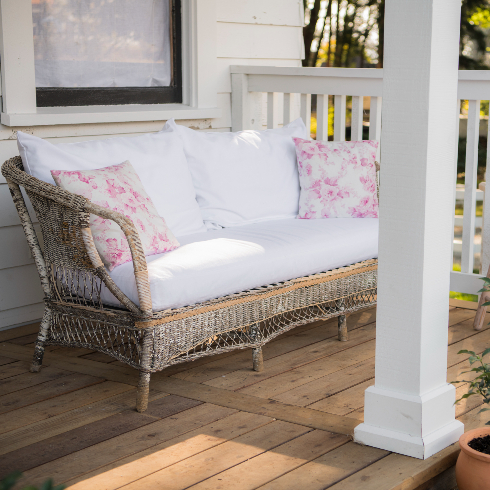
<point>338,180</point>
<point>118,188</point>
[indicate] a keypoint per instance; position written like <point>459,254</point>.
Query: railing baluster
<point>485,232</point>
<point>240,102</point>
<point>286,119</point>
<point>375,119</point>
<point>357,118</point>
<point>471,171</point>
<point>458,111</point>
<point>339,118</point>
<point>322,118</point>
<point>306,111</point>
<point>271,117</point>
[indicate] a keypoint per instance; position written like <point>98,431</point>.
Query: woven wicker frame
<point>72,277</point>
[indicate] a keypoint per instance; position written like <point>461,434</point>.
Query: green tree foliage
<point>343,32</point>
<point>475,25</point>
<point>350,33</point>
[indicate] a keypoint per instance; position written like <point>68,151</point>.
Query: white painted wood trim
<point>357,118</point>
<point>271,12</point>
<point>463,75</point>
<point>462,282</point>
<point>410,410</point>
<point>473,84</point>
<point>17,54</point>
<point>471,171</point>
<point>485,234</point>
<point>271,111</point>
<point>199,53</point>
<point>23,315</point>
<point>375,119</point>
<point>305,72</point>
<point>339,118</point>
<point>287,109</point>
<point>305,111</point>
<point>240,102</point>
<point>322,118</point>
<point>454,178</point>
<point>315,85</point>
<point>49,116</point>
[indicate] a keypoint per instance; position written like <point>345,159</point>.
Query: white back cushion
<point>244,177</point>
<point>157,158</point>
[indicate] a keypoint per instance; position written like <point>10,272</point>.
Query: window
<point>107,52</point>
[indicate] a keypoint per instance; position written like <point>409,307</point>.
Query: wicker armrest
<point>140,266</point>
<point>13,171</point>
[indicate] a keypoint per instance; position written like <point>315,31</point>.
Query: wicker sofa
<point>73,276</point>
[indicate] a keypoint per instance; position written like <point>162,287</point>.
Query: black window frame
<point>88,96</point>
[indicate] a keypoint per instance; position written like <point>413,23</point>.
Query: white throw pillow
<point>244,177</point>
<point>157,158</point>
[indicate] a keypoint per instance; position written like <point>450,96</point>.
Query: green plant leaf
<point>10,480</point>
<point>465,351</point>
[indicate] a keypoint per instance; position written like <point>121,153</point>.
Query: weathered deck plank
<point>59,424</point>
<point>190,471</point>
<point>63,403</point>
<point>213,423</point>
<point>47,390</point>
<point>27,379</point>
<point>273,464</point>
<point>198,431</point>
<point>328,469</point>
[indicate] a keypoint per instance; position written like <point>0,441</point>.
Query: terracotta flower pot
<point>473,467</point>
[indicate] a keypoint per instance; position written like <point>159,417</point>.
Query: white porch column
<point>410,409</point>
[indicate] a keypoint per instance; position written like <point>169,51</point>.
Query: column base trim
<point>416,447</point>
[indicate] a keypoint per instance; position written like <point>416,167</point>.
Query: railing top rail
<point>466,75</point>
<point>483,75</point>
<point>308,71</point>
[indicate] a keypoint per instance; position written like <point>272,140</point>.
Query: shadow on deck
<point>215,423</point>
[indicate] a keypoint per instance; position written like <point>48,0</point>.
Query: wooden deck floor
<point>214,423</point>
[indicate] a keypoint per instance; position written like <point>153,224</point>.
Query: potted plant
<point>473,465</point>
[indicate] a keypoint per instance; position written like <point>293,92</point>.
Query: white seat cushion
<point>157,158</point>
<point>243,177</point>
<point>221,262</point>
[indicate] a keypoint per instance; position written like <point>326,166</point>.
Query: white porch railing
<point>251,109</point>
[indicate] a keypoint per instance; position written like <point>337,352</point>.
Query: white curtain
<point>102,43</point>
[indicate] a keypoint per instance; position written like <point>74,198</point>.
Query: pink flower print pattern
<point>338,179</point>
<point>119,188</point>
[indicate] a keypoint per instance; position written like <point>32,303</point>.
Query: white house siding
<point>249,32</point>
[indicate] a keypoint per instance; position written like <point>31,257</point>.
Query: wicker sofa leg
<point>258,359</point>
<point>343,333</point>
<point>37,360</point>
<point>342,319</point>
<point>143,391</point>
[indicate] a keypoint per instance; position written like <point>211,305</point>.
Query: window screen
<point>110,44</point>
